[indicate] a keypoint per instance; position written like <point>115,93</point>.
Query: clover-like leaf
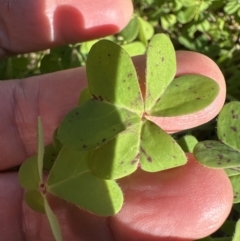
<point>160,69</point>
<point>93,123</point>
<point>186,94</point>
<point>137,146</point>
<point>84,96</point>
<point>187,143</point>
<point>71,179</point>
<point>112,118</point>
<point>118,157</point>
<point>53,221</point>
<point>28,175</point>
<point>130,32</point>
<point>158,150</point>
<point>146,30</point>
<point>216,154</point>
<point>35,200</point>
<point>236,188</point>
<point>236,235</point>
<point>232,171</point>
<point>228,125</point>
<point>112,76</point>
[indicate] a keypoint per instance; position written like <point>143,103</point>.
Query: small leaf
<point>86,46</point>
<point>94,123</point>
<point>70,179</point>
<point>185,95</point>
<point>134,48</point>
<point>112,76</point>
<point>159,151</point>
<point>28,174</point>
<point>130,32</point>
<point>232,171</point>
<point>187,143</point>
<point>35,200</point>
<point>52,219</point>
<point>40,149</point>
<point>228,125</point>
<point>235,180</point>
<point>160,70</point>
<point>216,154</point>
<point>236,236</point>
<point>146,30</point>
<point>118,157</point>
<point>84,96</point>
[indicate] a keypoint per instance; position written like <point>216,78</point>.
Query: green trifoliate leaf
<point>236,236</point>
<point>94,123</point>
<point>137,146</point>
<point>185,95</point>
<point>112,76</point>
<point>216,154</point>
<point>35,200</point>
<point>40,149</point>
<point>28,174</point>
<point>187,143</point>
<point>52,219</point>
<point>70,179</point>
<point>158,150</point>
<point>235,180</point>
<point>84,96</point>
<point>118,157</point>
<point>160,70</point>
<point>228,125</point>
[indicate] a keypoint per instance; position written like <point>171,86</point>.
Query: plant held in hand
<point>110,134</point>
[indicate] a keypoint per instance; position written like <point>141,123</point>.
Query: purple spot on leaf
<point>234,128</point>
<point>220,156</point>
<point>149,159</point>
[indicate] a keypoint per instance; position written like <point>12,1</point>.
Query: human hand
<point>180,204</point>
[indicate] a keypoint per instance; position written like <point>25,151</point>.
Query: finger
<point>35,25</point>
<point>185,203</point>
<point>192,63</point>
<point>51,96</point>
<point>180,204</point>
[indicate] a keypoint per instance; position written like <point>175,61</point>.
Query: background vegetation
<point>211,27</point>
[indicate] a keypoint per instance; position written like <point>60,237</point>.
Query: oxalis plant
<point>109,135</point>
<point>225,153</point>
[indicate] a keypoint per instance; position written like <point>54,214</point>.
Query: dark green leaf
<point>94,123</point>
<point>185,95</point>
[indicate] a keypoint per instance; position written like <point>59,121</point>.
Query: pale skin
<point>181,204</point>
